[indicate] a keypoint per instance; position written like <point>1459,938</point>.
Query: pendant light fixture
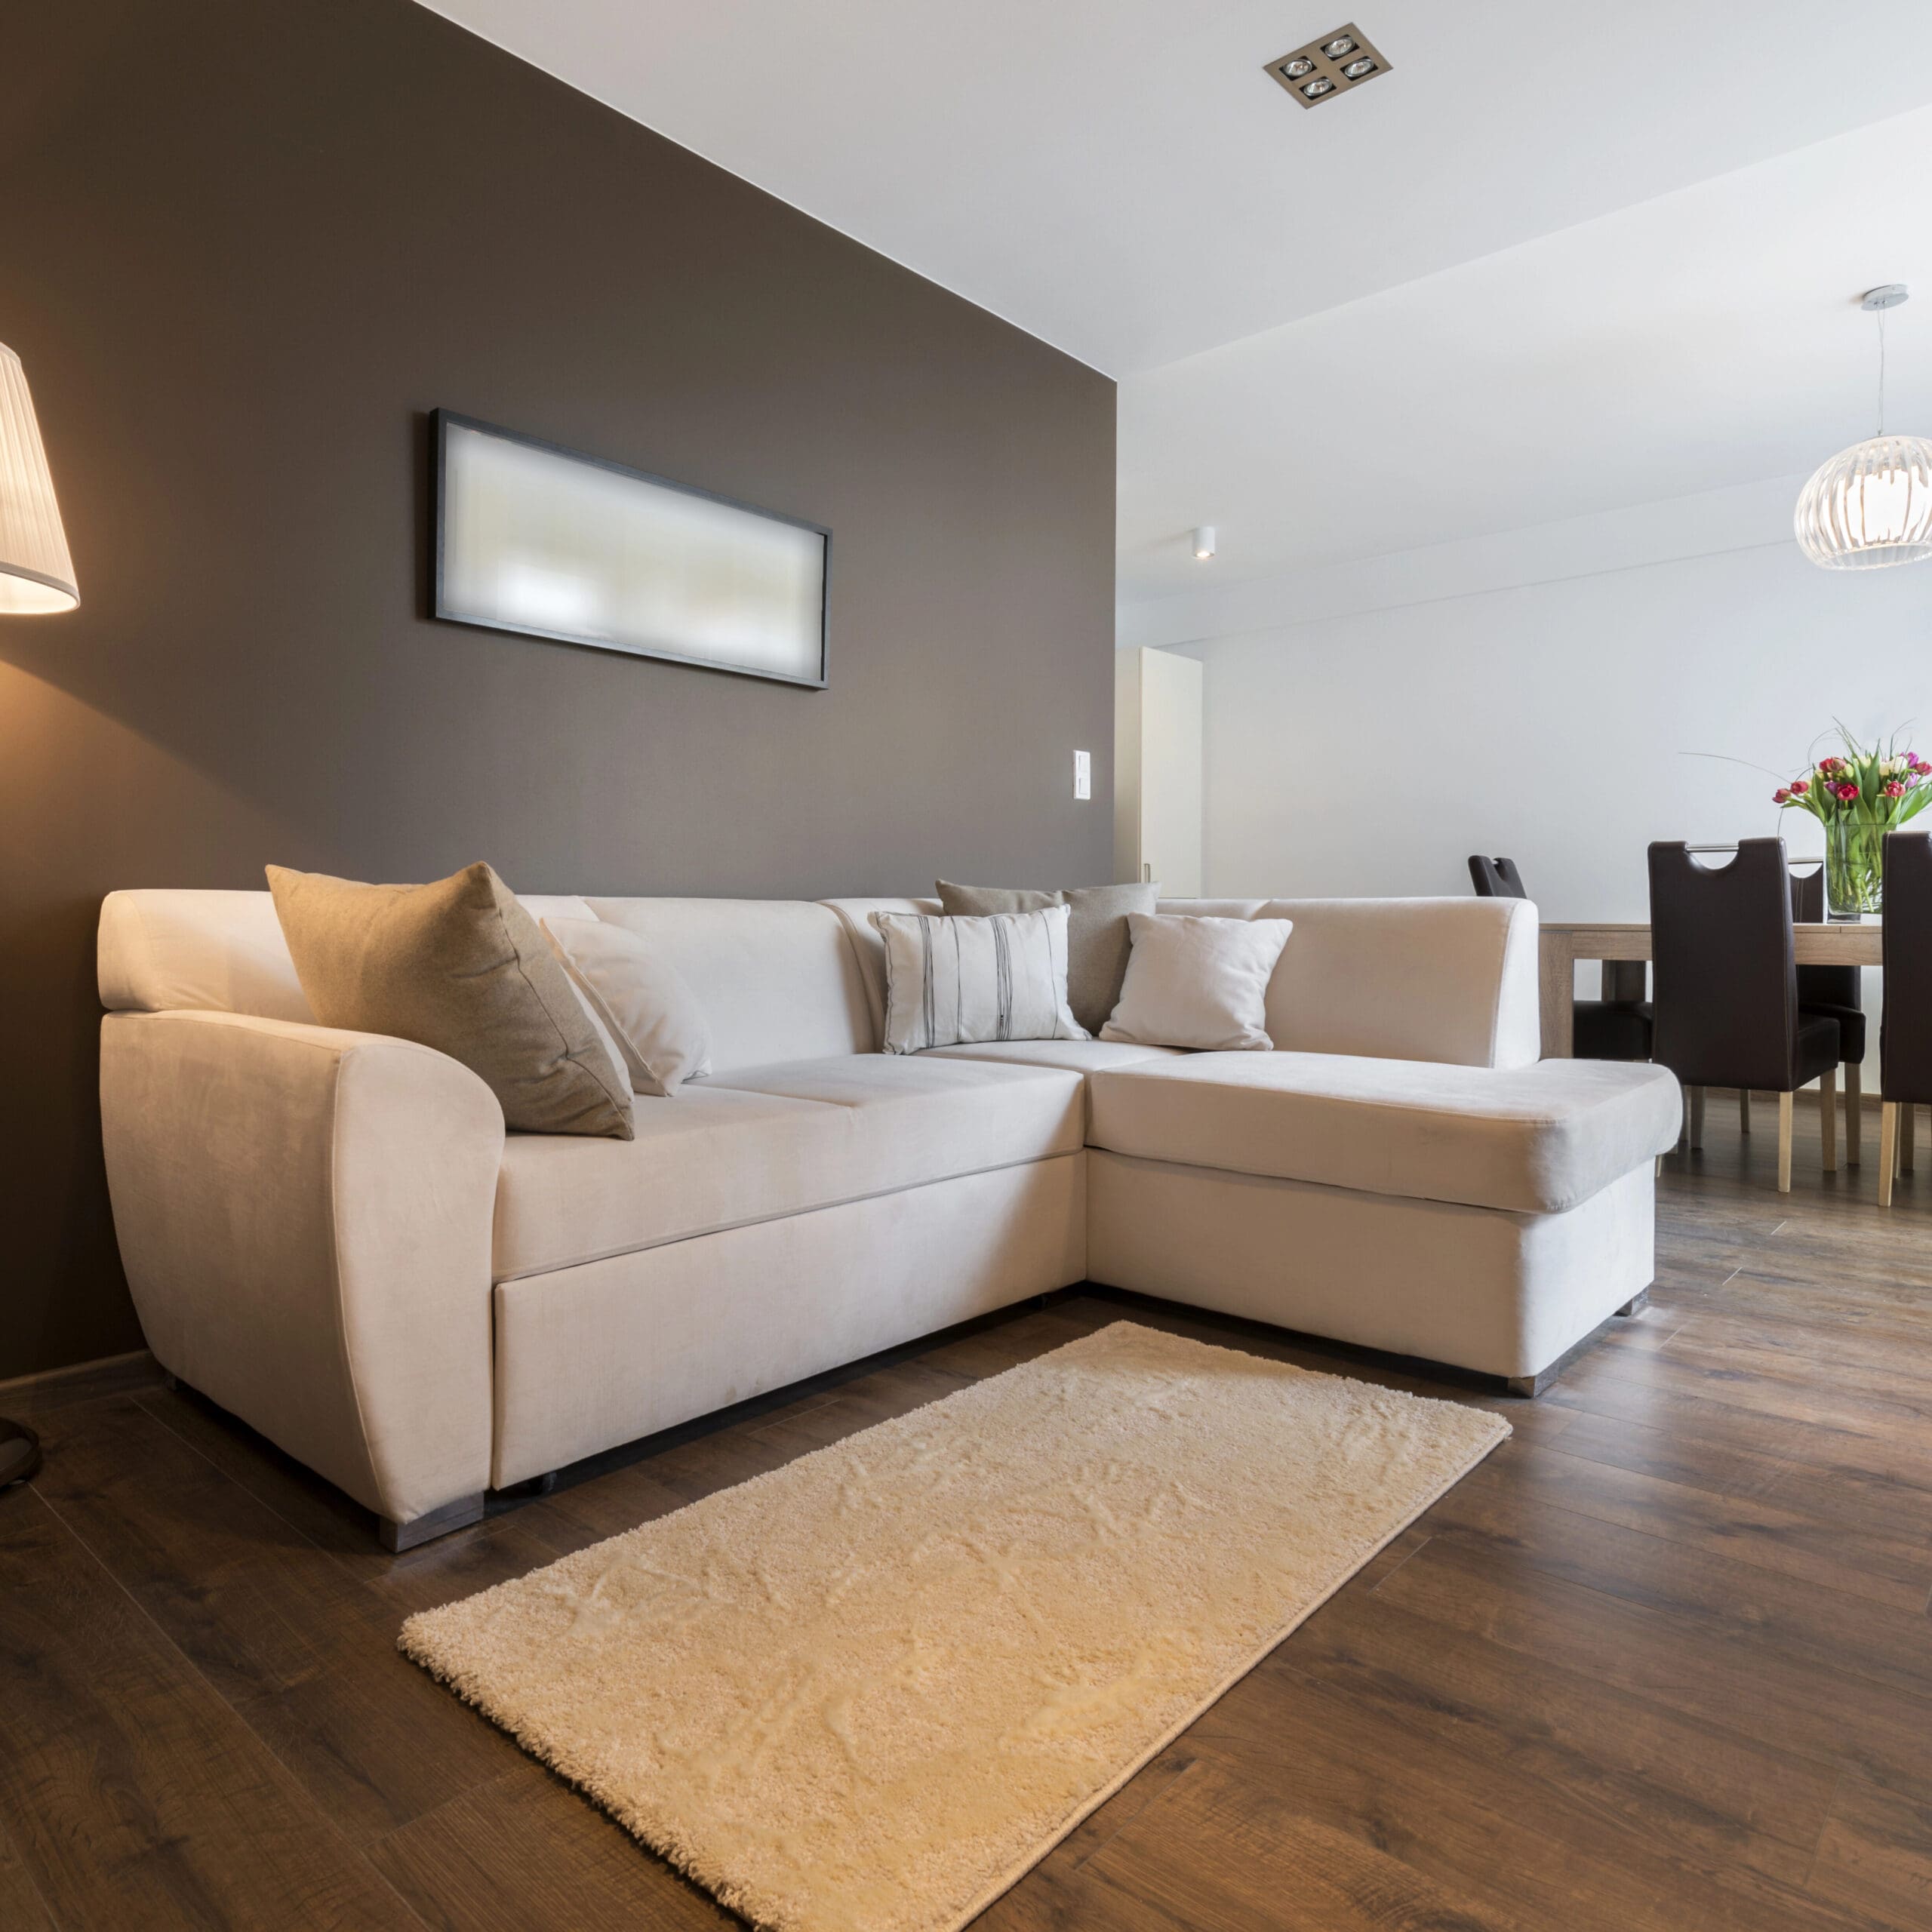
<point>1872,504</point>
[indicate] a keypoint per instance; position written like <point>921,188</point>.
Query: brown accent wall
<point>245,246</point>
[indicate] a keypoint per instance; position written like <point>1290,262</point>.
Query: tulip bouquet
<point>1858,796</point>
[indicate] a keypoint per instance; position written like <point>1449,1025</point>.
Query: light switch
<point>1083,774</point>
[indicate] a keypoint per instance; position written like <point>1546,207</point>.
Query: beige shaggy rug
<point>867,1692</point>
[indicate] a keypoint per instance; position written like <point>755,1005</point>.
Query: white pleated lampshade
<point>36,573</point>
<point>1870,505</point>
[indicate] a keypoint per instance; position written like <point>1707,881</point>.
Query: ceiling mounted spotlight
<point>1204,544</point>
<point>1332,64</point>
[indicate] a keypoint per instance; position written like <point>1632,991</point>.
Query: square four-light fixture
<point>1329,66</point>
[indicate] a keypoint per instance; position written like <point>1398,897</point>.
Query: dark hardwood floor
<point>1663,1662</point>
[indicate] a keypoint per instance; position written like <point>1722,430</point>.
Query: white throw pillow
<point>641,1000</point>
<point>952,983</point>
<point>1197,983</point>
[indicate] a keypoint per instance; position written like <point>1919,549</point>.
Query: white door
<point>1158,768</point>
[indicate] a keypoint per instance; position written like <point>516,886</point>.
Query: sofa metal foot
<point>544,1483</point>
<point>1532,1385</point>
<point>457,1515</point>
<point>1636,1304</point>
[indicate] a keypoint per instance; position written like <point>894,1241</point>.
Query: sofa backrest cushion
<point>221,952</point>
<point>1213,909</point>
<point>1452,980</point>
<point>777,978</point>
<point>162,950</point>
<point>868,946</point>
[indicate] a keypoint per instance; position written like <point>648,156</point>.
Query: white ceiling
<point>1483,287</point>
<point>1709,338</point>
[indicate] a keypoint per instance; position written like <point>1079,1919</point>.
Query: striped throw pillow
<point>953,983</point>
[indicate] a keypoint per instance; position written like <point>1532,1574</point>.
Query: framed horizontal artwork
<point>556,544</point>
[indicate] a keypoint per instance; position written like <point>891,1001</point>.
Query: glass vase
<point>1854,868</point>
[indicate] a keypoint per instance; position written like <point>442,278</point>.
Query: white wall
<point>1557,723</point>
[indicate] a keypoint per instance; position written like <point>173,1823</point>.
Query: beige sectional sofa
<point>330,1234</point>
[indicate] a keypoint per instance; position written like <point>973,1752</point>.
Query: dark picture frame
<point>449,605</point>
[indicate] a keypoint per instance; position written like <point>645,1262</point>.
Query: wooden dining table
<point>1626,950</point>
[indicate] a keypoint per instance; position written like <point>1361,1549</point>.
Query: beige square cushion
<point>460,966</point>
<point>1098,939</point>
<point>1198,982</point>
<point>641,1000</point>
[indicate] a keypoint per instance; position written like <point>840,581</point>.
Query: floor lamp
<point>36,577</point>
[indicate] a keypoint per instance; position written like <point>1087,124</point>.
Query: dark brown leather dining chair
<point>1839,992</point>
<point>1905,1032</point>
<point>1602,1028</point>
<point>1725,985</point>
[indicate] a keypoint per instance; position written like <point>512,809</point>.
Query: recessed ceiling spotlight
<point>1330,66</point>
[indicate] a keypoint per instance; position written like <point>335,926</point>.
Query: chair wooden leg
<point>1784,1142</point>
<point>1854,1112</point>
<point>1888,1149</point>
<point>1697,1118</point>
<point>1828,1117</point>
<point>1744,1110</point>
<point>1907,1135</point>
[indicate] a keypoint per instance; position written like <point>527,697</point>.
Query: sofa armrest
<point>304,1215</point>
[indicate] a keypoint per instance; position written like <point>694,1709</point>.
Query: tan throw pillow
<point>641,999</point>
<point>462,967</point>
<point>1097,934</point>
<point>1198,982</point>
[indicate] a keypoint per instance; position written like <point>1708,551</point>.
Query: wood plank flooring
<point>1664,1662</point>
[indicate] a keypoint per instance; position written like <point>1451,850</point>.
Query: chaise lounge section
<point>331,1236</point>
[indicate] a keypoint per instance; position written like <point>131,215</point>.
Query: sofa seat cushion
<point>1535,1139</point>
<point>773,1141</point>
<point>914,1117</point>
<point>1084,1057</point>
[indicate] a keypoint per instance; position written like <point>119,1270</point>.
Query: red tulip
<point>1895,790</point>
<point>1781,797</point>
<point>1848,791</point>
<point>1799,786</point>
